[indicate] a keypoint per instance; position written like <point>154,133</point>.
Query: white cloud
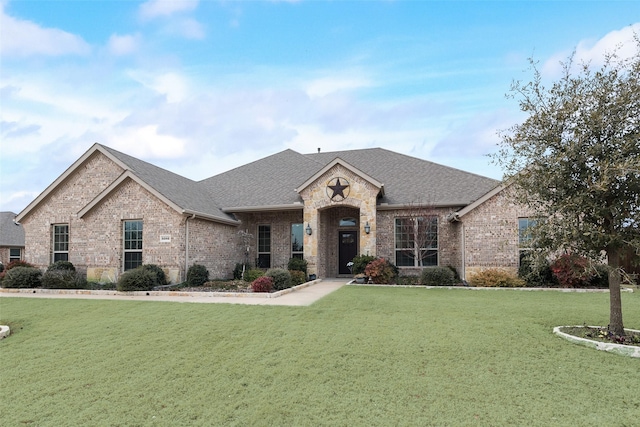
<point>155,8</point>
<point>328,85</point>
<point>123,45</point>
<point>171,84</point>
<point>188,28</point>
<point>587,51</point>
<point>146,142</point>
<point>25,38</point>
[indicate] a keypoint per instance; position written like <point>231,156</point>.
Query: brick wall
<point>491,234</point>
<point>448,240</point>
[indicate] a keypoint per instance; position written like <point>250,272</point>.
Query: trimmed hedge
<point>61,266</point>
<point>360,262</point>
<point>138,279</point>
<point>495,277</point>
<point>297,264</point>
<point>297,277</point>
<point>252,274</point>
<point>262,284</point>
<point>63,279</point>
<point>22,277</point>
<point>161,278</point>
<point>281,278</point>
<point>437,276</point>
<point>197,275</point>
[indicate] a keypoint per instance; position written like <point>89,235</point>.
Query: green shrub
<point>360,262</point>
<point>197,275</point>
<point>281,278</point>
<point>495,277</point>
<point>63,279</point>
<point>61,266</point>
<point>381,271</point>
<point>22,277</point>
<point>237,271</point>
<point>262,284</point>
<point>297,264</point>
<point>536,273</point>
<point>18,263</point>
<point>161,278</point>
<point>408,280</point>
<point>252,274</point>
<point>437,276</point>
<point>297,277</point>
<point>138,279</point>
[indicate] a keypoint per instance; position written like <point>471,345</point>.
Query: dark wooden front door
<point>348,249</point>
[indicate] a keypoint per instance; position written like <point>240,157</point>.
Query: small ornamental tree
<point>575,162</point>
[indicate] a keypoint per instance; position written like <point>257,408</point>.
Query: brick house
<point>11,238</point>
<point>109,212</point>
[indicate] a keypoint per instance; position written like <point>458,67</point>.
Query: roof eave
<point>264,208</point>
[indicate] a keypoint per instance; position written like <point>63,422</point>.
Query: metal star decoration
<point>340,191</point>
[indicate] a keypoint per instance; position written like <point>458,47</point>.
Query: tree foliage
<point>575,161</point>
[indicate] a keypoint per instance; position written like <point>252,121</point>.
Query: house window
<point>264,246</point>
<point>416,242</point>
<point>132,240</point>
<point>297,241</point>
<point>524,237</point>
<point>60,242</point>
<point>348,222</point>
<point>15,254</point>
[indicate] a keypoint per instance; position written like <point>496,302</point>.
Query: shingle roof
<point>407,180</point>
<point>10,233</point>
<point>184,192</point>
<point>270,181</point>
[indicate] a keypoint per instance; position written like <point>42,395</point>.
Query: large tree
<point>575,161</point>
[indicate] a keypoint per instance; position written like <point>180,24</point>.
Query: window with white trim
<point>132,244</point>
<point>264,246</point>
<point>524,237</point>
<point>416,242</point>
<point>297,241</point>
<point>60,242</point>
<point>15,254</point>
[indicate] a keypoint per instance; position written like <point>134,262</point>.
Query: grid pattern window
<point>524,232</point>
<point>297,241</point>
<point>60,242</point>
<point>416,242</point>
<point>264,246</point>
<point>15,254</point>
<point>132,240</point>
<point>524,237</point>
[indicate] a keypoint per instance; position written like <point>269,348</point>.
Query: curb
<point>624,350</point>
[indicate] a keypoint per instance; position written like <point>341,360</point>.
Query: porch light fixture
<point>308,230</point>
<point>367,228</point>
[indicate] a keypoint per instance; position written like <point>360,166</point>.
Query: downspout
<point>186,245</point>
<point>462,253</point>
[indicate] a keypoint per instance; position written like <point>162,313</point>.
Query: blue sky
<point>200,87</point>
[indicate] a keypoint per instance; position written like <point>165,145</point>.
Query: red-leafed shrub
<point>381,271</point>
<point>18,263</point>
<point>572,271</point>
<point>262,284</point>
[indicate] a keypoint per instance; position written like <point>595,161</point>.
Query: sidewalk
<point>302,296</point>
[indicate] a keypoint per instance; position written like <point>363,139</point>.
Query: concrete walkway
<point>301,296</point>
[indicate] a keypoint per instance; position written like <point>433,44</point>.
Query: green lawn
<point>361,356</point>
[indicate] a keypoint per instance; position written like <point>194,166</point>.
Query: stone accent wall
<point>280,223</point>
<point>362,196</point>
<point>448,241</point>
<point>491,234</point>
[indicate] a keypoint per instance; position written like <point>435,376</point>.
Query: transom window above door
<point>348,222</point>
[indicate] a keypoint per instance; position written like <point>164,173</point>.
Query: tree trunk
<point>615,299</point>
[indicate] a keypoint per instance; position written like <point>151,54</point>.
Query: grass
<point>360,356</point>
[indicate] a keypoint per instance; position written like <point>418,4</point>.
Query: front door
<point>348,249</point>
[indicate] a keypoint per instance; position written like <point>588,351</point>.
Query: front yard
<point>360,356</point>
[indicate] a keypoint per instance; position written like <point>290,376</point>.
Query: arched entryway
<point>339,239</point>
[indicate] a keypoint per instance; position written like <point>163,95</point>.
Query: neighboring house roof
<point>271,183</point>
<point>11,234</point>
